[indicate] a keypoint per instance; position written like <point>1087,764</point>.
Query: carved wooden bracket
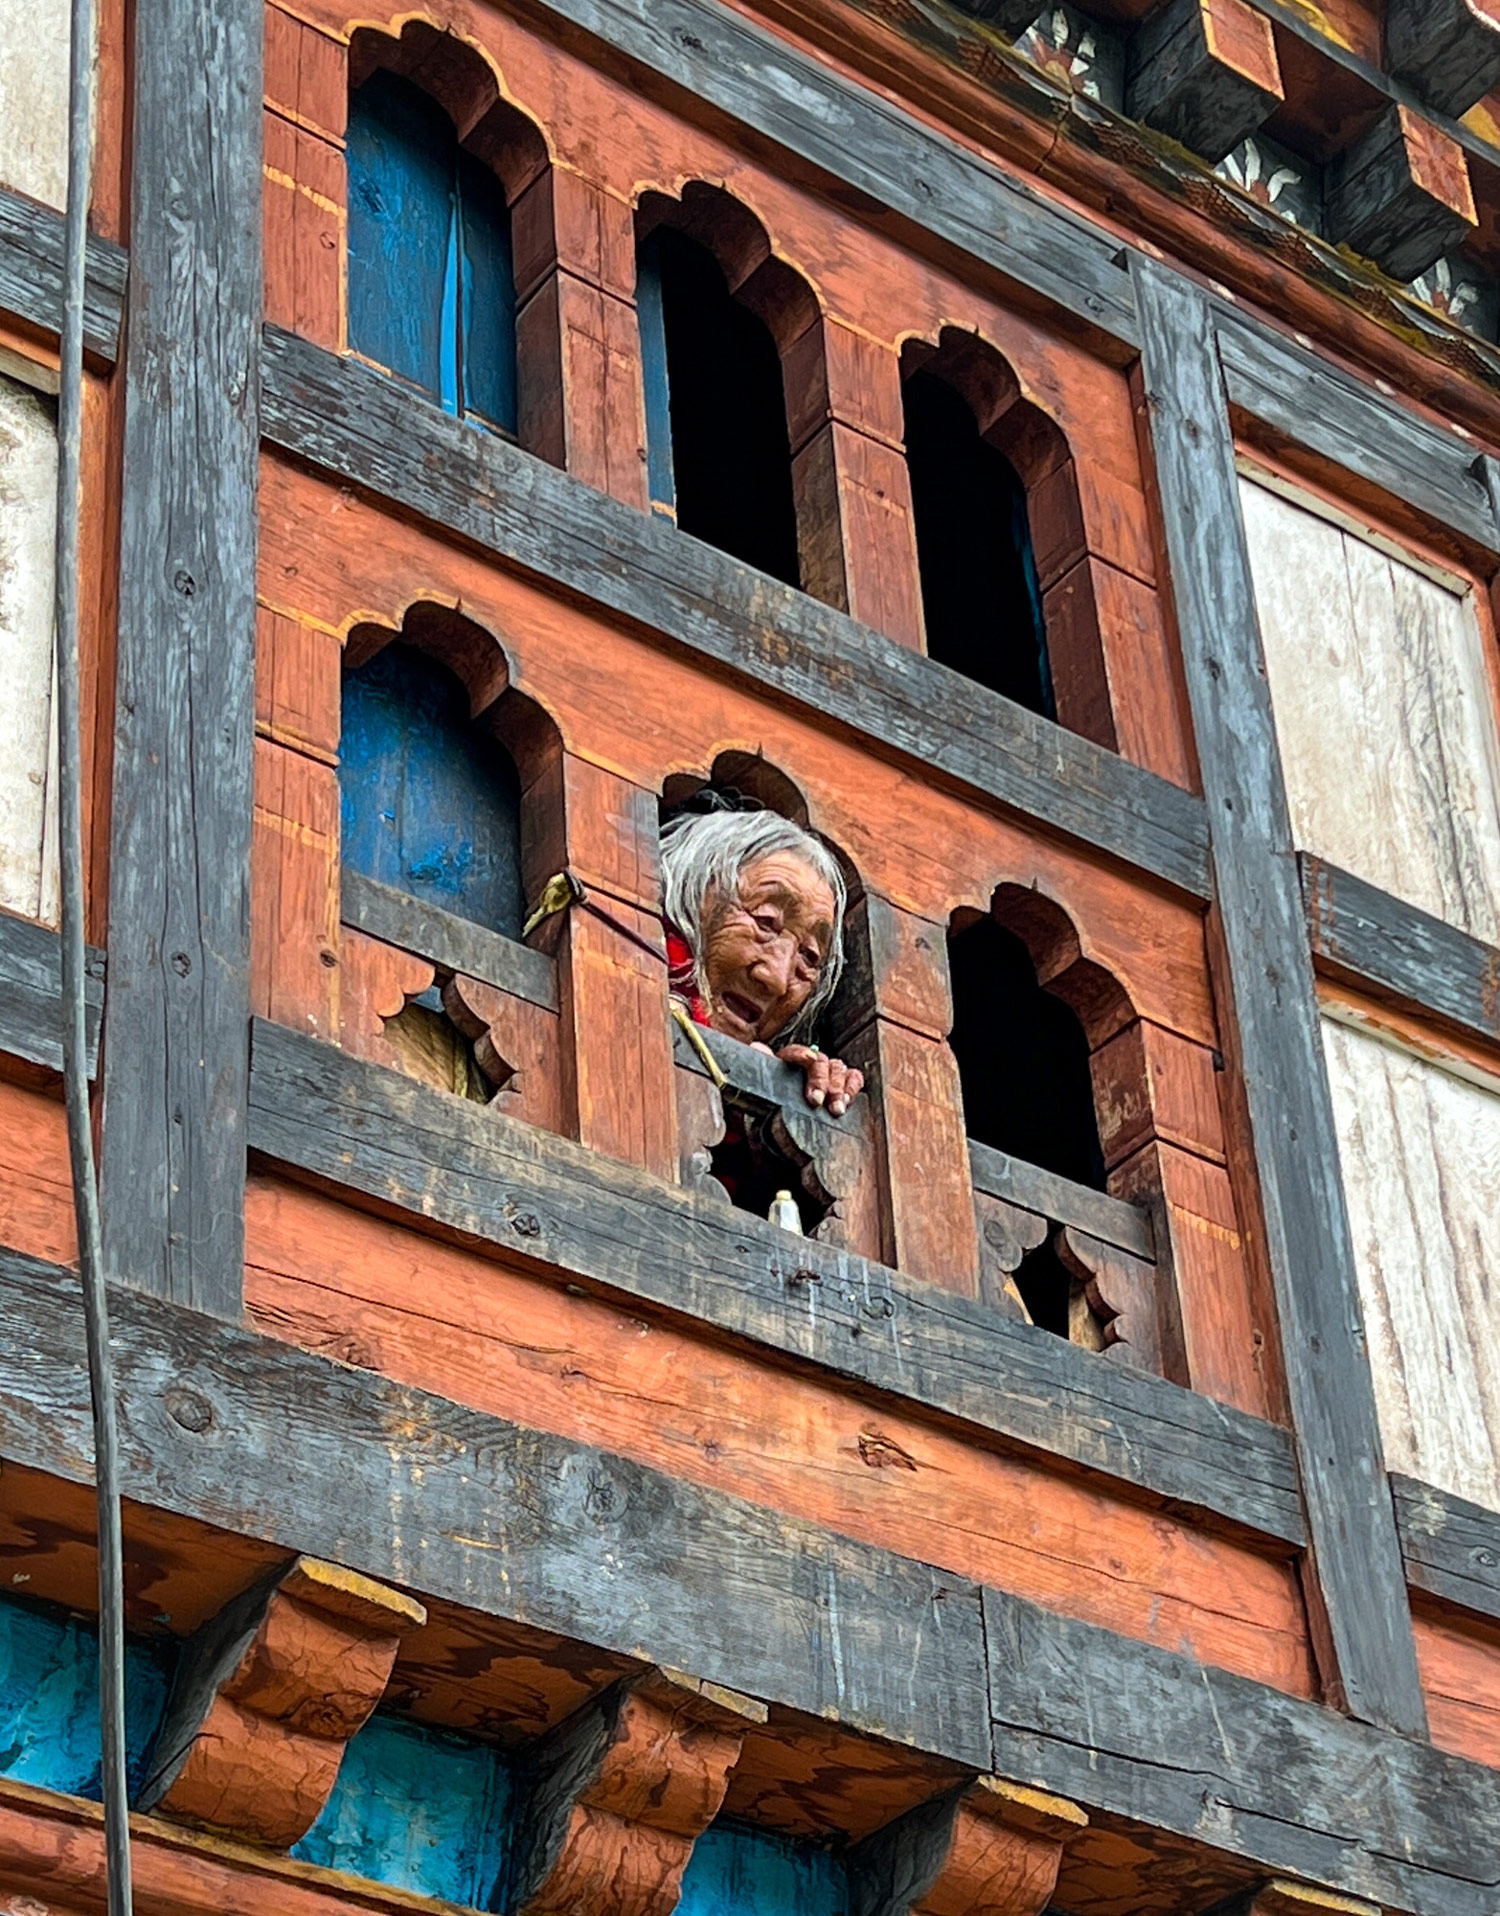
<point>479,1012</point>
<point>266,1697</point>
<point>988,1849</point>
<point>1119,1291</point>
<point>621,1792</point>
<point>1006,1233</point>
<point>827,1161</point>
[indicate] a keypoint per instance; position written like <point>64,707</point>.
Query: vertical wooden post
<point>176,1028</point>
<point>896,1030</point>
<point>854,513</point>
<point>1357,1588</point>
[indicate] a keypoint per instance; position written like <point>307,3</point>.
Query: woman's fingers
<point>844,1086</point>
<point>828,1080</point>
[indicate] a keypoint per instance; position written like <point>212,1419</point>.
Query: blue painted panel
<point>429,804</point>
<point>744,1872</point>
<point>401,148</point>
<point>487,296</point>
<point>431,287</point>
<point>419,1809</point>
<point>651,316</point>
<point>49,1700</point>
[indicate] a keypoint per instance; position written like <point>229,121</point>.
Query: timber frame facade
<point>1263,1730</point>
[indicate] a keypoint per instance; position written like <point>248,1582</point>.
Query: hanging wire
<point>75,1057</point>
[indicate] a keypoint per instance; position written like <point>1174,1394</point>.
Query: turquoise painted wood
<point>652,319</point>
<point>420,1809</point>
<point>744,1872</point>
<point>431,286</point>
<point>49,1699</point>
<point>428,803</point>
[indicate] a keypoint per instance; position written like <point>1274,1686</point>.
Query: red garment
<point>682,975</point>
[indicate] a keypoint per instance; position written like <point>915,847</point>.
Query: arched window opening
<point>430,805</point>
<point>432,293</point>
<point>719,453</point>
<point>769,1149</point>
<point>1023,1058</point>
<point>981,600</point>
<point>1023,1065</point>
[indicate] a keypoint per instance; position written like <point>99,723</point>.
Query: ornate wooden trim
<point>619,1794</point>
<point>266,1697</point>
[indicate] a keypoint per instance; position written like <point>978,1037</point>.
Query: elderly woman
<point>754,910</point>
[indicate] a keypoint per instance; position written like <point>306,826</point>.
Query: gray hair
<point>706,852</point>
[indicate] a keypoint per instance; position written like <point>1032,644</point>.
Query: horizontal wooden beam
<point>1167,1742</point>
<point>1451,1547</point>
<point>1293,389</point>
<point>760,1076</point>
<point>1395,951</point>
<point>902,173</point>
<point>457,944</point>
<point>437,1162</point>
<point>31,274</point>
<point>369,431</point>
<point>228,1428</point>
<point>235,1429</point>
<point>1126,1226</point>
<point>1310,403</point>
<point>31,994</point>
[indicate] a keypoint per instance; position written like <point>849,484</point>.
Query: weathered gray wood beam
<point>235,1429</point>
<point>172,1151</point>
<point>1273,377</point>
<point>1452,1547</point>
<point>458,944</point>
<point>1205,72</point>
<point>228,1428</point>
<point>440,1163</point>
<point>31,993</point>
<point>1230,1763</point>
<point>1401,194</point>
<point>1357,1590</point>
<point>1395,951</point>
<point>1127,1226</point>
<point>1309,402</point>
<point>906,174</point>
<point>1449,50</point>
<point>372,433</point>
<point>31,274</point>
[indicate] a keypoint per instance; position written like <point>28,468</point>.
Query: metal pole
<point>75,1057</point>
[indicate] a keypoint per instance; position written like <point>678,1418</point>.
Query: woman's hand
<point>830,1081</point>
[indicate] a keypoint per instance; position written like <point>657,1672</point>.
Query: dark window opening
<point>1023,1058</point>
<point>981,601</point>
<point>718,451</point>
<point>431,286</point>
<point>429,803</point>
<point>756,1163</point>
<point>1023,1065</point>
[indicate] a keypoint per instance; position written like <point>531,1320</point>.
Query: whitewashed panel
<point>28,726</point>
<point>1385,713</point>
<point>34,98</point>
<point>1420,1149</point>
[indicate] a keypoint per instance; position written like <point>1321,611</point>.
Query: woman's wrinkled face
<point>763,950</point>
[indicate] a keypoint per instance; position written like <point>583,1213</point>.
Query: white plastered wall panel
<point>1420,1150</point>
<point>34,98</point>
<point>28,720</point>
<point>1385,712</point>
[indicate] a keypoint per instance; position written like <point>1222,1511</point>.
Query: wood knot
<point>187,1408</point>
<point>884,1453</point>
